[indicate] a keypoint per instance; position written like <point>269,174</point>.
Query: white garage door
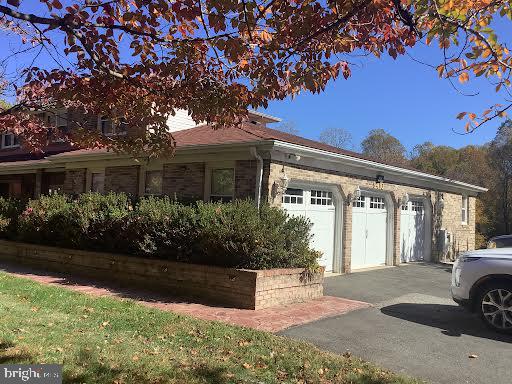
<point>412,232</point>
<point>318,206</point>
<point>369,232</point>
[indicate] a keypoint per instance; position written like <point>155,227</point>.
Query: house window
<point>10,140</point>
<point>108,127</point>
<point>97,182</point>
<point>222,184</point>
<point>153,183</point>
<point>61,120</point>
<point>293,196</point>
<point>464,210</point>
<point>52,183</point>
<point>55,189</point>
<point>58,120</point>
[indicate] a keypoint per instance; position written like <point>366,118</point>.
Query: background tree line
<point>488,165</point>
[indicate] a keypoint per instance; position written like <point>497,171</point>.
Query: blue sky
<point>405,98</point>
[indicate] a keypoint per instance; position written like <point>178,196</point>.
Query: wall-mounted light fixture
<point>281,184</point>
<point>379,179</point>
<point>441,201</point>
<point>354,196</point>
<point>405,199</point>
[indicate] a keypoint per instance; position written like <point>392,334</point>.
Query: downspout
<point>259,175</point>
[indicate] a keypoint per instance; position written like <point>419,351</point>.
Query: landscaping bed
<point>230,235</point>
<point>240,288</point>
<point>232,254</point>
<point>106,340</point>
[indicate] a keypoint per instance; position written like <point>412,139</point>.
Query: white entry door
<point>369,232</point>
<point>412,232</point>
<point>317,205</point>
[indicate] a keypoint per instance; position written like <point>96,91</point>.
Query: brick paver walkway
<point>272,319</point>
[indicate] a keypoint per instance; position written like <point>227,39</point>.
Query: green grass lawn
<point>105,340</point>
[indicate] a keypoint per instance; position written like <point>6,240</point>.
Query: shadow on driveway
<point>452,320</point>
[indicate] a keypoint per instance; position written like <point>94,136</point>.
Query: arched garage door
<point>318,206</point>
<point>412,231</point>
<point>369,232</point>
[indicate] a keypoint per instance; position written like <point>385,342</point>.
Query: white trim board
<point>370,169</point>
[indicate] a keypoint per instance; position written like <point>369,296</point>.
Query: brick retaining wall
<point>249,289</point>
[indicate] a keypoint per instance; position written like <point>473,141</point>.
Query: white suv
<point>482,282</point>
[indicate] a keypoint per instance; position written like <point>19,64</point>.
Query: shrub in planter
<point>101,220</point>
<point>239,235</point>
<point>162,228</point>
<point>49,220</point>
<point>92,221</point>
<point>10,210</point>
<point>233,234</point>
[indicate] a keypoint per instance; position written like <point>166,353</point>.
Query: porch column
<point>38,183</point>
<point>142,180</point>
<point>347,239</point>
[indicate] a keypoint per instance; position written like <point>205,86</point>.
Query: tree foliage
<point>144,59</point>
<point>379,145</point>
<point>433,159</point>
<point>488,165</point>
<point>337,137</point>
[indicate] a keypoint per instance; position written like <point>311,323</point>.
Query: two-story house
<point>363,213</point>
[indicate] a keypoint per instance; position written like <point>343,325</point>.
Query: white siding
<point>180,121</point>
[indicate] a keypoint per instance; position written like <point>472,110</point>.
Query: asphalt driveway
<point>413,327</point>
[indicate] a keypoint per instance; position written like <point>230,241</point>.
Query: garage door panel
<point>317,206</point>
<point>376,240</point>
<point>358,239</point>
<point>418,237</point>
<point>369,232</point>
<point>412,232</point>
<point>405,245</point>
<point>323,235</point>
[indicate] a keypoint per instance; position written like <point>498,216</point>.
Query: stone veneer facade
<point>449,217</point>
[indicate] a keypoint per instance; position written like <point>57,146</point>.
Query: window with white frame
<point>321,197</point>
<point>222,184</point>
<point>359,203</point>
<point>377,202</point>
<point>417,206</point>
<point>153,182</point>
<point>464,210</point>
<point>10,140</point>
<point>98,182</point>
<point>109,127</point>
<point>293,196</point>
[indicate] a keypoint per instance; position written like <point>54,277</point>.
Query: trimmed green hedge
<point>233,234</point>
